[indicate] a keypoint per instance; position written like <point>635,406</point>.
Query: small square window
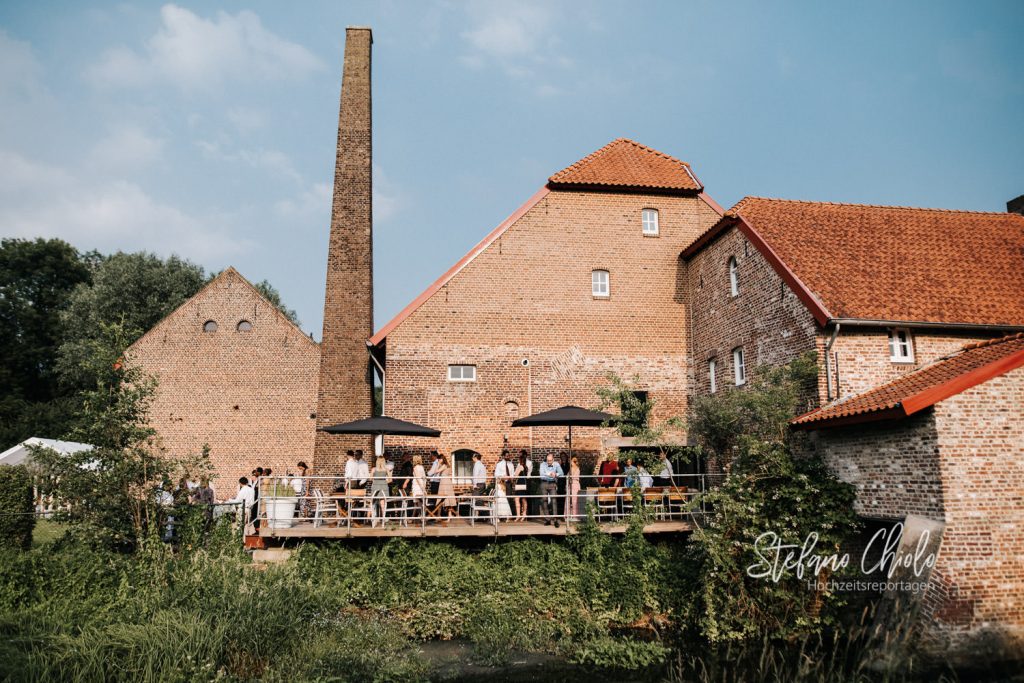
<point>461,373</point>
<point>649,218</point>
<point>901,348</point>
<point>739,366</point>
<point>599,283</point>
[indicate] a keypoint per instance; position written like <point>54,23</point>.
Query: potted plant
<point>279,499</point>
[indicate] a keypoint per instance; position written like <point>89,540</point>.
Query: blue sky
<point>184,128</point>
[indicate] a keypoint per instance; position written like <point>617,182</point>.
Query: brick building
<point>914,317</point>
<point>581,281</point>
<point>234,374</point>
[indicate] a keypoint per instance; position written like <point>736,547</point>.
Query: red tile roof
<point>924,387</point>
<point>892,263</point>
<point>626,165</point>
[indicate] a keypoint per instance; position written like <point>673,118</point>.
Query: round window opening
<point>245,326</point>
<point>209,326</point>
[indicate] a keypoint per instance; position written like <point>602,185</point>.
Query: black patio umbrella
<point>566,416</point>
<point>380,426</point>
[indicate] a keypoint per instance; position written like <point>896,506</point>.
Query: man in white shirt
<point>362,471</point>
<point>504,471</point>
<point>247,497</point>
<point>479,475</point>
<point>350,468</point>
<point>665,475</point>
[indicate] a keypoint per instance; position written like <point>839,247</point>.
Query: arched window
<point>734,277</point>
<point>209,326</point>
<point>244,326</point>
<point>462,464</point>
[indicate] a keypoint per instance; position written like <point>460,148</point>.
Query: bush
<point>17,517</point>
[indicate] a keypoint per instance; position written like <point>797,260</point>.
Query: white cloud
<point>127,147</point>
<point>41,200</point>
<point>312,201</point>
<point>520,39</point>
<point>194,53</point>
<point>273,161</point>
<point>387,199</point>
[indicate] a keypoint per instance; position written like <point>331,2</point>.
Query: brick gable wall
<point>528,296</point>
<point>249,395</point>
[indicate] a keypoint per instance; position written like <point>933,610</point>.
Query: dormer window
<point>734,277</point>
<point>649,218</point>
<point>901,348</point>
<point>599,284</point>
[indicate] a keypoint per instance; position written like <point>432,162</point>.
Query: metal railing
<point>407,501</point>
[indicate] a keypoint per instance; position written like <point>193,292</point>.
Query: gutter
<point>863,322</point>
<point>828,362</point>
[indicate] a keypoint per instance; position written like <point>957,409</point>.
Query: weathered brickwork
<point>765,318</point>
<point>249,395</point>
<point>863,354</point>
<point>346,380</point>
<point>528,296</point>
<point>961,463</point>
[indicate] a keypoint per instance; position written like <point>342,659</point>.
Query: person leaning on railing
<point>246,496</point>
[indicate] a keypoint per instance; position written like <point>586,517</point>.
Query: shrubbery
<point>16,508</point>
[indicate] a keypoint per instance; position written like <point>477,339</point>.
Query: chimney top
<point>360,28</point>
<point>1016,205</point>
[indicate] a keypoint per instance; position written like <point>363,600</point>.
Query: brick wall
<point>528,296</point>
<point>863,354</point>
<point>249,395</point>
<point>765,318</point>
<point>961,463</point>
<point>346,381</point>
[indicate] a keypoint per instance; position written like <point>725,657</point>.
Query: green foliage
<point>633,420</point>
<point>768,489</point>
<point>16,508</point>
<point>134,291</point>
<point>36,279</point>
<point>271,294</point>
<point>115,493</point>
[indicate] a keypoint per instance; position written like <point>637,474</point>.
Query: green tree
<point>273,296</point>
<point>16,509</point>
<point>633,420</point>
<point>112,491</point>
<point>133,291</point>
<point>771,487</point>
<point>36,280</point>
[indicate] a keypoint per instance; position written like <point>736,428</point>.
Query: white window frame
<point>600,287</point>
<point>458,373</point>
<point>901,345</point>
<point>712,375</point>
<point>649,221</point>
<point>739,366</point>
<point>734,277</point>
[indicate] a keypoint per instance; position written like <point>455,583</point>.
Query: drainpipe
<point>828,362</point>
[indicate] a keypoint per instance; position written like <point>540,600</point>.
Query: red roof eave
<point>917,402</point>
<point>813,304</point>
<point>383,332</point>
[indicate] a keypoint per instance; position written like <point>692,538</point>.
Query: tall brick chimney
<point>346,380</point>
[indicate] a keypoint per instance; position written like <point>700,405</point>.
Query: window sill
<point>598,297</point>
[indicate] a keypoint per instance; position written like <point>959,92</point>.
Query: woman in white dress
<point>501,507</point>
<point>419,482</point>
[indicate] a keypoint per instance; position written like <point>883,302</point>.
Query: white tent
<point>16,455</point>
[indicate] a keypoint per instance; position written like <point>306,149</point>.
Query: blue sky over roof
<point>210,132</point>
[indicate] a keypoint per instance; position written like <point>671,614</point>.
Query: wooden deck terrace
<point>458,528</point>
